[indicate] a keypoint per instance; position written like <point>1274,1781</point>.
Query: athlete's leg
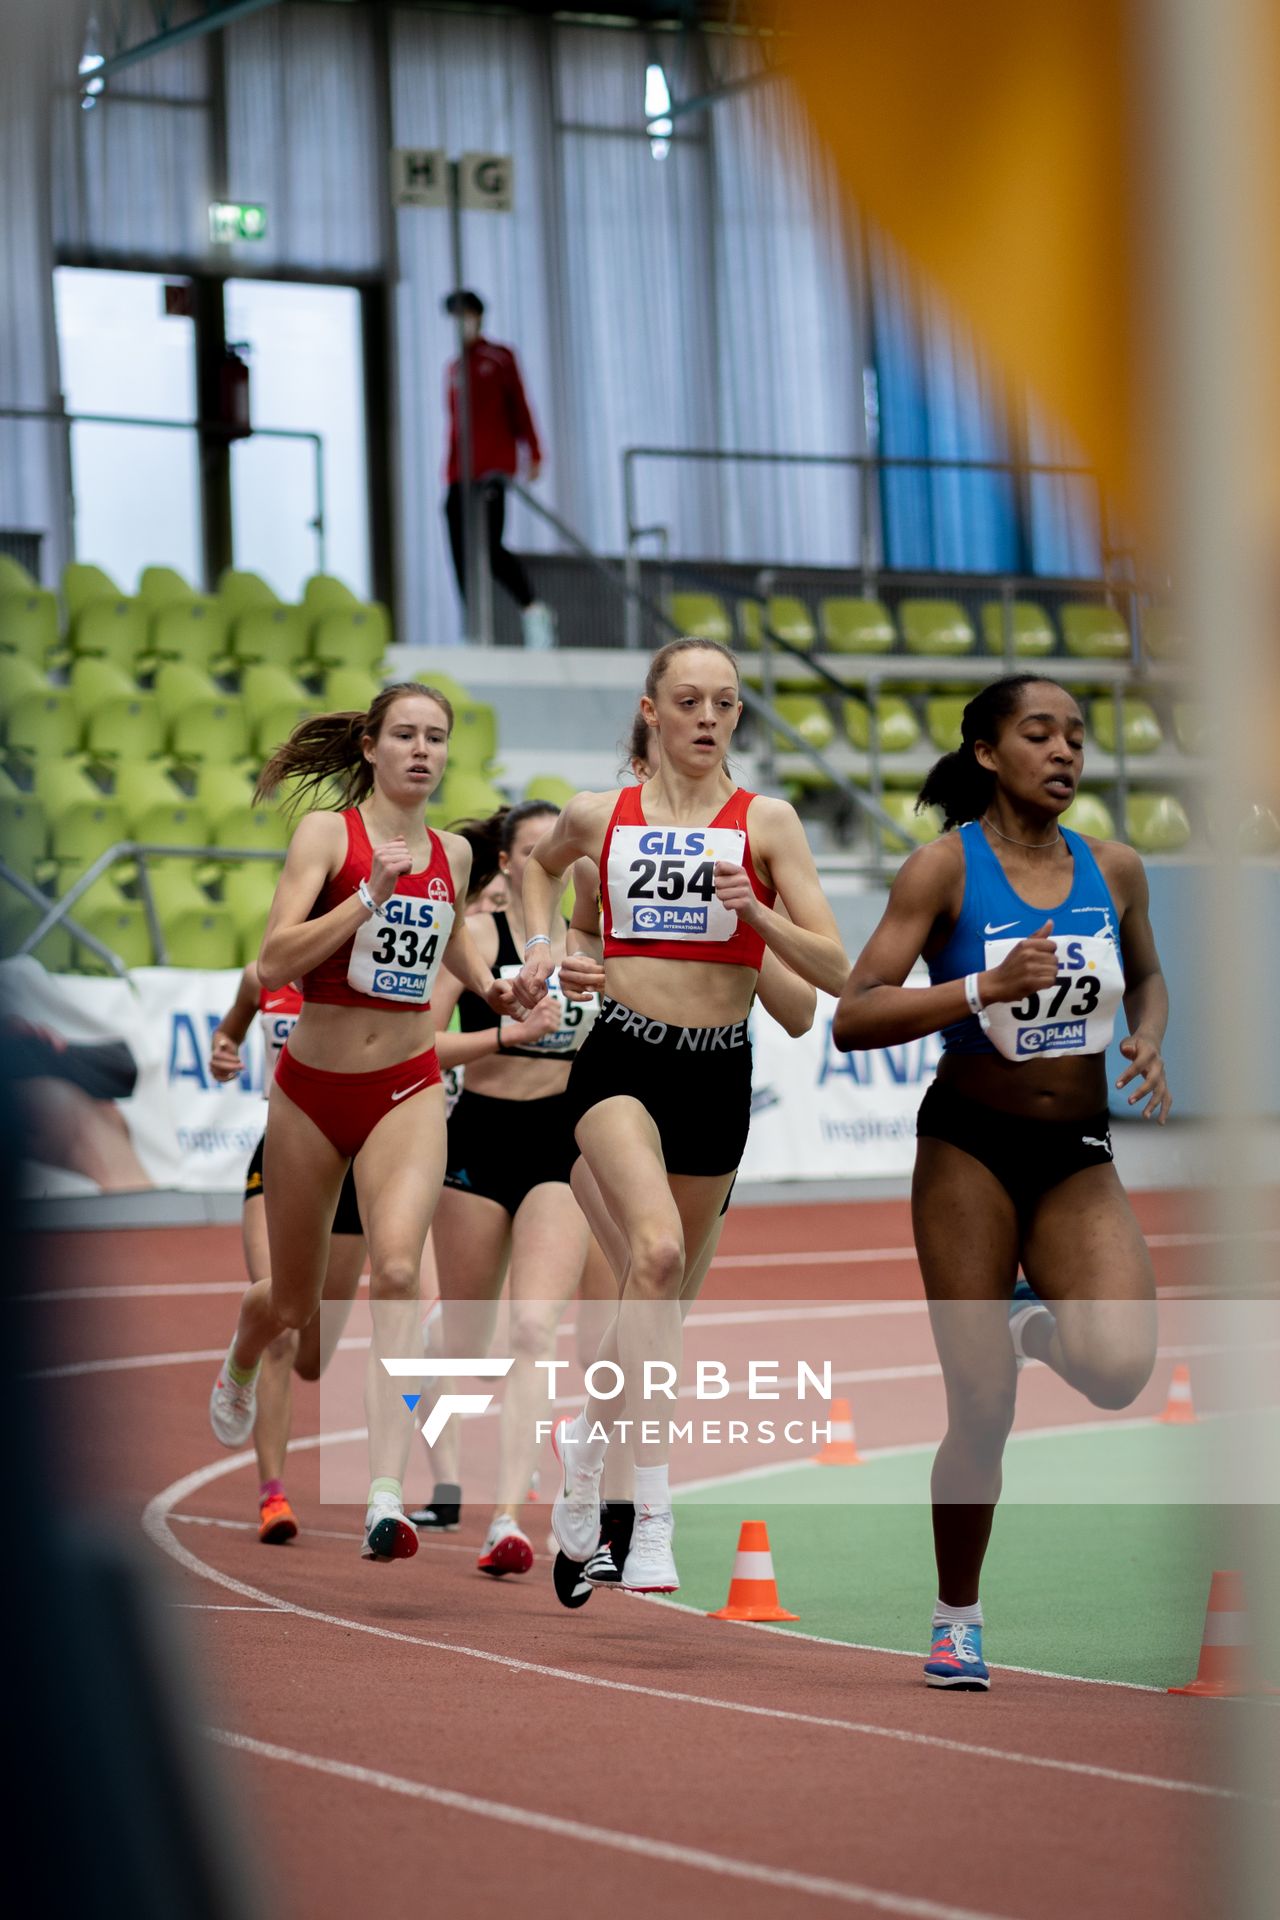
<point>471,1236</point>
<point>966,1234</point>
<point>398,1172</point>
<point>303,1174</point>
<point>319,1338</point>
<point>549,1238</point>
<point>275,1392</point>
<point>1084,1251</point>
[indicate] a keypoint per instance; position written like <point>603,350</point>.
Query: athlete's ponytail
<point>958,783</point>
<point>488,838</point>
<point>330,747</point>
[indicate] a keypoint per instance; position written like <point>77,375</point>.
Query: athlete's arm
<point>1146,996</point>
<point>460,955</point>
<point>805,937</point>
<point>460,1049</point>
<point>877,1010</point>
<point>791,1000</point>
<point>582,969</point>
<point>229,1034</point>
<point>292,944</point>
<point>576,832</point>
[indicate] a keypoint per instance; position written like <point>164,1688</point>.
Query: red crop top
<point>408,943</point>
<point>657,886</point>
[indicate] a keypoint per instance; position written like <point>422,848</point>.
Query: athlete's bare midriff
<point>360,1039</point>
<point>522,1077</point>
<point>1036,1090</point>
<point>686,993</point>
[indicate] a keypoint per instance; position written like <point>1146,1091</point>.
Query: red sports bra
<point>327,983</point>
<point>657,888</point>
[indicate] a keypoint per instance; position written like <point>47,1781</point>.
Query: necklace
<point>1033,846</point>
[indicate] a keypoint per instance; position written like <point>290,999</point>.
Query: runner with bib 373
<point>1035,938</point>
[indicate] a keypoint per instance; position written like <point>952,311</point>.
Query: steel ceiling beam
<point>221,14</point>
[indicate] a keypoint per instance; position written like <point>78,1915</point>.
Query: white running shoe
<point>650,1565</point>
<point>232,1407</point>
<point>388,1535</point>
<point>575,1514</point>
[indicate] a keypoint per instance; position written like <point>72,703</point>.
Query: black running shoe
<point>445,1511</point>
<point>604,1568</point>
<point>573,1589</point>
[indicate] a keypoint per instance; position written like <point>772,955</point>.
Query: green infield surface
<point>1103,1591</point>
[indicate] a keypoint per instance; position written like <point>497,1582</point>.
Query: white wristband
<point>534,939</point>
<point>367,900</point>
<point>972,997</point>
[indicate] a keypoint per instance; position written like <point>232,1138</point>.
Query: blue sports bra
<point>992,915</point>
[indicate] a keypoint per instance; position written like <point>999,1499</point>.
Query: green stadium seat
<point>83,821</point>
<point>113,630</point>
<point>204,937</point>
<point>943,713</point>
<point>222,789</point>
<point>453,690</point>
<point>157,811</point>
<point>264,686</point>
<point>94,681</point>
<point>856,626</point>
<point>1191,727</point>
<point>550,787</point>
<point>897,729</point>
<point>1141,729</point>
<point>349,690</point>
<point>936,627</point>
<point>1089,814</point>
<point>165,587</point>
<point>351,637</point>
<point>269,636</point>
<point>262,827</point>
<point>247,892</point>
<point>19,677</point>
<point>1259,831</point>
<point>295,799</point>
<point>274,719</point>
<point>1033,635</point>
<point>1162,635</point>
<point>701,616</point>
<point>239,590</point>
<point>1157,822</point>
<point>917,828</point>
<point>1092,632</point>
<point>14,577</point>
<point>210,730</point>
<point>82,585</point>
<point>179,685</point>
<point>19,918</point>
<point>324,591</point>
<point>806,713</point>
<point>466,796</point>
<point>474,739</point>
<point>785,615</point>
<point>28,625</point>
<point>122,929</point>
<point>24,829</point>
<point>130,728</point>
<point>43,724</point>
<point>191,632</point>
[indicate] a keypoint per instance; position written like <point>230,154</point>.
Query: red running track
<point>417,1731</point>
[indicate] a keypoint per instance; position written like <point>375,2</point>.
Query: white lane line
<point>869,1256</point>
<point>848,1892</point>
<point>156,1524</point>
<point>216,1606</point>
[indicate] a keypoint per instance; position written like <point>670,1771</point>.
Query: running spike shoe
<point>387,1533</point>
<point>569,1579</point>
<point>277,1521</point>
<point>617,1522</point>
<point>506,1549</point>
<point>444,1512</point>
<point>650,1564</point>
<point>232,1407</point>
<point>575,1516</point>
<point>955,1659</point>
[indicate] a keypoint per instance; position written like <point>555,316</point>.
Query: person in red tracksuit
<point>501,423</point>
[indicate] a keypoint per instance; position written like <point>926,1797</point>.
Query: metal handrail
<point>870,563</point>
<point>59,911</point>
<point>215,429</point>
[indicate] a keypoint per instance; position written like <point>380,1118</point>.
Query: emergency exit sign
<point>236,220</point>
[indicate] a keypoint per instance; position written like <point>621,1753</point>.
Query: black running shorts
<point>503,1149</point>
<point>345,1221</point>
<point>694,1082</point>
<point>1027,1156</point>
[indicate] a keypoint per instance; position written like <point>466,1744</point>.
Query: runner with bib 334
<point>1035,937</point>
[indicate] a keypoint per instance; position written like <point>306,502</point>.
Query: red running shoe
<point>506,1549</point>
<point>276,1521</point>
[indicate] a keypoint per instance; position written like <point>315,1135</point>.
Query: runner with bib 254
<point>1035,938</point>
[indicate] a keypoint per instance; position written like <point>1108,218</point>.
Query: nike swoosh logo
<point>1004,928</point>
<point>404,1092</point>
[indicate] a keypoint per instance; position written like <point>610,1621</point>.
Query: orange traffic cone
<point>753,1591</point>
<point>1179,1409</point>
<point>841,1450</point>
<point>1222,1672</point>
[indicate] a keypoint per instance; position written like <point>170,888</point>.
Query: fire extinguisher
<point>233,391</point>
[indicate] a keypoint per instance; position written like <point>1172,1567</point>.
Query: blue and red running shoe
<point>955,1659</point>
